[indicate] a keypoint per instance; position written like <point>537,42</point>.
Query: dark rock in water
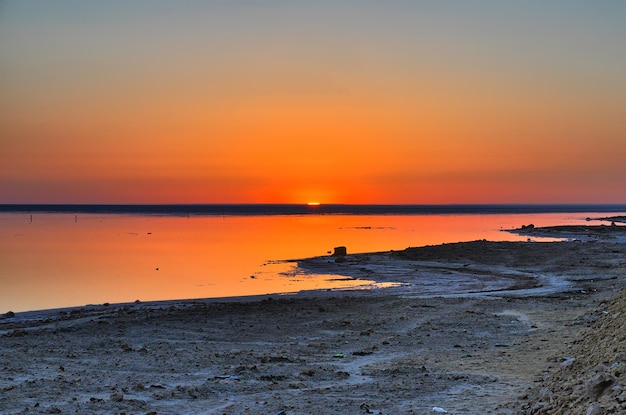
<point>340,251</point>
<point>9,314</point>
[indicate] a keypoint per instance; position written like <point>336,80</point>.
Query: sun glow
<point>313,203</point>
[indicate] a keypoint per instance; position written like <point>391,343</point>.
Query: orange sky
<point>337,102</point>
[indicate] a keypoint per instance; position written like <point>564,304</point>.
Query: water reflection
<point>56,260</point>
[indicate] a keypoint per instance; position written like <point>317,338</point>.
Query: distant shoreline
<point>304,209</point>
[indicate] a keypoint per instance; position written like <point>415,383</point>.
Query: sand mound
<point>591,380</point>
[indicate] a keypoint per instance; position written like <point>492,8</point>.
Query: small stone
<point>567,364</point>
<point>539,406</point>
<point>16,333</point>
<point>594,409</point>
<point>596,386</point>
<point>117,397</point>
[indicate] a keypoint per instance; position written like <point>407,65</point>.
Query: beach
<point>518,328</point>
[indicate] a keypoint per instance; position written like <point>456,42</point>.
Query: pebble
<point>117,397</point>
<point>594,409</point>
<point>596,386</point>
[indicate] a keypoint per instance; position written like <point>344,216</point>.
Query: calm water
<point>51,260</point>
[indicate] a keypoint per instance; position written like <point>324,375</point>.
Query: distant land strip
<point>303,209</point>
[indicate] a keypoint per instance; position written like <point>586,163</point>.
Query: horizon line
<point>315,204</point>
<point>272,209</point>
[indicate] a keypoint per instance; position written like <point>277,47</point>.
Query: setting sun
<point>313,203</point>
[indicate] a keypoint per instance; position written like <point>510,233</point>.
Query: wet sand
<point>475,327</point>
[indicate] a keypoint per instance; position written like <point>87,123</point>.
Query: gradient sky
<point>256,101</point>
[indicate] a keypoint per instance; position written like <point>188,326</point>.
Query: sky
<point>396,101</point>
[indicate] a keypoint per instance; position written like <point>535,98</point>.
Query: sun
<point>313,203</point>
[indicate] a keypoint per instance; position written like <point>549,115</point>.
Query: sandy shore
<point>517,328</point>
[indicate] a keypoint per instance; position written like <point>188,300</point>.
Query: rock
<point>538,407</point>
<point>16,333</point>
<point>117,397</point>
<point>567,364</point>
<point>340,251</point>
<point>595,387</point>
<point>594,409</point>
